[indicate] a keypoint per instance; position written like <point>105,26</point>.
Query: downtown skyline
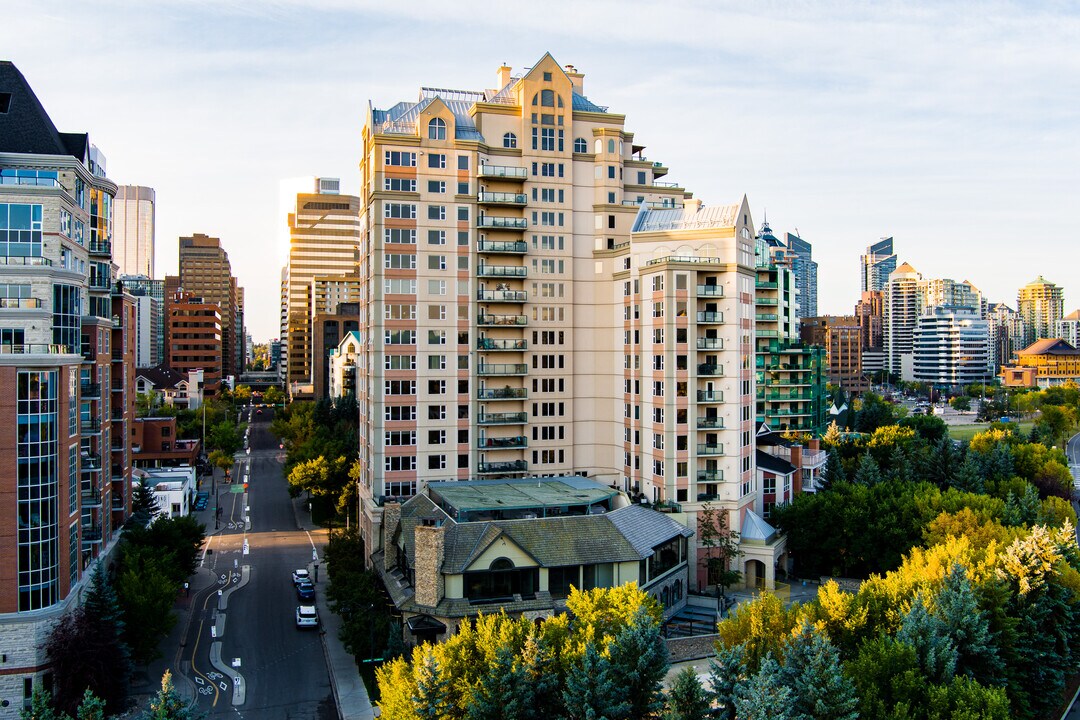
<point>841,123</point>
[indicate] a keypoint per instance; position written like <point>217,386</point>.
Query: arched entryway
<point>754,574</point>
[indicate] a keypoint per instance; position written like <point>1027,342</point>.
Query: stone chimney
<point>502,77</point>
<point>692,206</point>
<point>578,79</point>
<point>430,542</point>
<point>391,519</point>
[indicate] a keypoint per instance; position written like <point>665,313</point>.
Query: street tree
<point>721,545</point>
<point>167,703</point>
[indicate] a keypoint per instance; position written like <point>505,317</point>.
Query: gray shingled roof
<point>26,127</point>
<point>646,528</point>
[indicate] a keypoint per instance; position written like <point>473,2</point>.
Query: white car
<point>307,616</point>
<point>300,575</point>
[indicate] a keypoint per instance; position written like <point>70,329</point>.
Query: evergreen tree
<point>167,704</point>
<point>888,680</point>
<point>726,673</point>
<point>945,461</point>
<point>813,672</point>
<point>867,473</point>
<point>503,692</point>
<point>1021,510</point>
<point>592,692</point>
<point>927,634</point>
<point>969,478</point>
<point>968,628</point>
<point>144,505</point>
<point>639,661</point>
<point>765,696</point>
<point>833,474</point>
<point>91,707</point>
<point>543,674</point>
<point>432,698</point>
<point>41,707</point>
<point>687,699</point>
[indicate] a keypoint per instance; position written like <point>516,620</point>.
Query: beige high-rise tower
<point>1040,305</point>
<point>324,246</point>
<point>205,272</point>
<point>133,230</point>
<point>535,300</point>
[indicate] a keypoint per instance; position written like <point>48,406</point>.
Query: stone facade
<point>430,551</point>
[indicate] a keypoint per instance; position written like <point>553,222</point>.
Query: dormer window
<point>509,140</point>
<point>436,129</point>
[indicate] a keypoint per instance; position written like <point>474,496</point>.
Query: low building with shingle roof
<point>519,545</point>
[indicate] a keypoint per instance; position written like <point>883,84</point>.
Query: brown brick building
<point>195,337</point>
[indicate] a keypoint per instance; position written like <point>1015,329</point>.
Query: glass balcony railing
<point>710,369</point>
<point>494,222</point>
<point>502,443</point>
<point>710,423</point>
<point>710,317</point>
<point>22,260</point>
<point>99,247</point>
<point>91,533</point>
<point>90,390</point>
<point>502,345</point>
<point>512,271</point>
<point>502,198</point>
<point>502,467</point>
<point>765,285</point>
<point>90,498</point>
<point>32,349</point>
<point>503,418</point>
<point>503,171</point>
<point>497,320</point>
<point>90,427</point>
<point>710,396</point>
<point>710,290</point>
<point>710,449</point>
<point>506,393</point>
<point>489,369</point>
<point>506,247</point>
<point>710,476</point>
<point>710,343</point>
<point>508,296</point>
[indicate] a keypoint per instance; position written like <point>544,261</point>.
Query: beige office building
<point>536,301</point>
<point>321,273</point>
<point>1041,306</point>
<point>133,230</point>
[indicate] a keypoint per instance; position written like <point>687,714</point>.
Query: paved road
<point>282,670</point>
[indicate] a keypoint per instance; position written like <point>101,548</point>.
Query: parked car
<point>300,575</point>
<point>305,590</point>
<point>307,616</point>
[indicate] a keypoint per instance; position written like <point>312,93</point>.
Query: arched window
<point>611,147</point>
<point>509,140</point>
<point>580,146</point>
<point>547,98</point>
<point>599,146</point>
<point>501,564</point>
<point>436,129</point>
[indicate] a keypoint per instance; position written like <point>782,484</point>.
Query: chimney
<point>502,77</point>
<point>693,205</point>
<point>430,549</point>
<point>578,79</point>
<point>391,519</point>
<point>814,444</point>
<point>796,456</point>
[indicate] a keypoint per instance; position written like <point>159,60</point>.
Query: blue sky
<point>954,127</point>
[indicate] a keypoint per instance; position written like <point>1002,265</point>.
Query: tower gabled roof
<point>25,127</point>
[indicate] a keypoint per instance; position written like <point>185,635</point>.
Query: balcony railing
<point>710,423</point>
<point>99,247</point>
<point>91,533</point>
<point>710,317</point>
<point>90,499</point>
<point>502,467</point>
<point>495,222</point>
<point>502,198</point>
<point>766,301</point>
<point>507,393</point>
<point>710,396</point>
<point>512,271</point>
<point>90,390</point>
<point>501,345</point>
<point>22,260</point>
<point>496,320</point>
<point>26,303</point>
<point>710,476</point>
<point>710,343</point>
<point>710,290</point>
<point>489,369</point>
<point>90,426</point>
<point>33,349</point>
<point>502,443</point>
<point>710,369</point>
<point>765,317</point>
<point>503,171</point>
<point>91,461</point>
<point>509,296</point>
<point>100,283</point>
<point>503,418</point>
<point>710,449</point>
<point>506,247</point>
<point>765,285</point>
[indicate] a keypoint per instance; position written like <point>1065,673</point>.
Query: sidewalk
<point>349,690</point>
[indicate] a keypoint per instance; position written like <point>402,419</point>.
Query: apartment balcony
<point>496,222</point>
<point>91,462</point>
<point>506,296</point>
<point>90,499</point>
<point>502,320</point>
<point>764,285</point>
<point>99,247</point>
<point>91,534</point>
<point>710,476</point>
<point>514,442</point>
<point>503,418</point>
<point>710,317</point>
<point>710,369</point>
<point>100,283</point>
<point>492,345</point>
<point>710,396</point>
<point>794,397</point>
<point>766,317</point>
<point>710,423</point>
<point>90,427</point>
<point>710,290</point>
<point>502,198</point>
<point>798,412</point>
<point>117,355</point>
<point>766,333</point>
<point>90,391</point>
<point>766,301</point>
<point>506,393</point>
<point>20,260</point>
<point>33,349</point>
<point>508,271</point>
<point>502,369</point>
<point>117,387</point>
<point>502,247</point>
<point>512,466</point>
<point>710,449</point>
<point>503,172</point>
<point>704,343</point>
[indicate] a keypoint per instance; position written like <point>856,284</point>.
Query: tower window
<point>509,140</point>
<point>436,129</point>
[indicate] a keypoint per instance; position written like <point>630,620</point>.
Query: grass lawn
<point>966,432</point>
